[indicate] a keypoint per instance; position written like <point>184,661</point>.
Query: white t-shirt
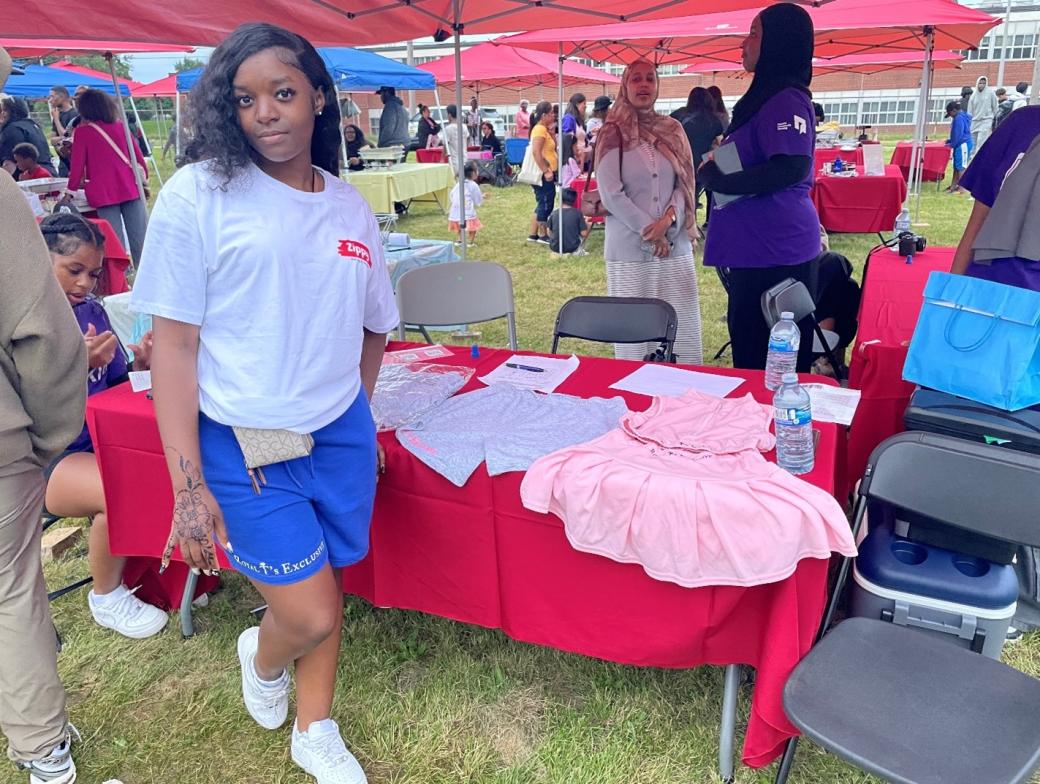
<point>281,282</point>
<point>474,198</point>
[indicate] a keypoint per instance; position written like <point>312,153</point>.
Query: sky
<point>149,66</point>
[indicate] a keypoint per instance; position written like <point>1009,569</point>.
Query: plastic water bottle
<point>902,224</point>
<point>782,358</point>
<point>792,415</point>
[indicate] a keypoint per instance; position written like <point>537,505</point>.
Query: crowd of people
<point>274,145</point>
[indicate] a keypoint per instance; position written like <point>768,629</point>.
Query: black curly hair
<point>218,137</point>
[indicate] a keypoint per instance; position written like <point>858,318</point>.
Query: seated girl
<point>73,480</point>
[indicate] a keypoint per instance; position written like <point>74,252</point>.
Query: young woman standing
<point>271,300</point>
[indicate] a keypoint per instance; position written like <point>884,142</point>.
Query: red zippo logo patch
<point>355,250</point>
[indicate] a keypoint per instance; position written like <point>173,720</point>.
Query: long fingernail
<point>195,571</point>
<point>229,548</point>
<point>163,568</point>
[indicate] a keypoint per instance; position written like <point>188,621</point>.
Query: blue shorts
<point>312,511</point>
<point>960,157</point>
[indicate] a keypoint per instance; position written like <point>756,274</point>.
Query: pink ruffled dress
<point>684,490</point>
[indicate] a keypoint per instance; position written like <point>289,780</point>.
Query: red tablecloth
<point>116,261</point>
<point>824,155</point>
<point>892,291</point>
<point>431,155</point>
<point>859,205</point>
<point>936,159</point>
<point>476,555</point>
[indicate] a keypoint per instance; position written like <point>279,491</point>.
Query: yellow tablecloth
<point>404,182</point>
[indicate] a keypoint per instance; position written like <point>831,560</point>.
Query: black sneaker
<point>543,240</point>
<point>1013,635</point>
<point>532,238</point>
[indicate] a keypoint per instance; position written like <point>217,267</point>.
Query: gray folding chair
<point>903,704</point>
<point>467,292</point>
<point>618,320</point>
<point>792,295</point>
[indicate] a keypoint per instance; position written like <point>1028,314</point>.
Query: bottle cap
<point>787,315</point>
<point>790,378</point>
<point>474,351</point>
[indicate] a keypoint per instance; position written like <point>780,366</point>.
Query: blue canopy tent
<point>38,80</point>
<point>352,69</point>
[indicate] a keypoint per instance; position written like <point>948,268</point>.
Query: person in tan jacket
<point>43,364</point>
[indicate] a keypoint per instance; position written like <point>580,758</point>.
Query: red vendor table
<point>476,555</point>
<point>888,311</point>
<point>861,204</point>
<point>936,159</point>
<point>578,186</point>
<point>824,155</point>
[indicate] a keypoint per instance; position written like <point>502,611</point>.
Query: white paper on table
<point>873,160</point>
<point>140,380</point>
<point>659,380</point>
<point>832,404</point>
<point>420,354</point>
<point>554,372</point>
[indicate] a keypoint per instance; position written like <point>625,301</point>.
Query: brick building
<point>885,101</point>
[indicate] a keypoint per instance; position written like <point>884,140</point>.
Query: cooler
<point>965,599</point>
<point>939,412</point>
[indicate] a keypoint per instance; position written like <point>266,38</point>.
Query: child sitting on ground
<point>27,161</point>
<point>74,487</point>
<point>474,198</point>
<point>574,228</point>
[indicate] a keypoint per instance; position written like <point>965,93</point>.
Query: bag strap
<point>111,142</point>
<point>972,346</point>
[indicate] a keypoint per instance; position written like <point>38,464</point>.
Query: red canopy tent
<point>161,88</point>
<point>843,27</point>
<point>865,64</point>
<point>487,65</point>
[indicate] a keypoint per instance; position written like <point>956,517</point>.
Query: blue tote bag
<point>979,340</point>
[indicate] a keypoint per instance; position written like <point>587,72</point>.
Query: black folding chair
<point>46,522</point>
<point>903,704</point>
<point>619,320</point>
<point>793,296</point>
<point>723,273</point>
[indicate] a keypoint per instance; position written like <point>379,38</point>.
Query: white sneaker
<point>123,612</point>
<point>321,752</point>
<point>267,702</point>
<point>56,768</point>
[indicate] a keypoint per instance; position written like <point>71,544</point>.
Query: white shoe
<point>267,702</point>
<point>322,753</point>
<point>123,612</point>
<point>57,767</point>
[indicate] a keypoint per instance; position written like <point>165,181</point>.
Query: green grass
<point>425,700</point>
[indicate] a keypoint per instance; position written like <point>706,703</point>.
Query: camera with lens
<point>910,243</point>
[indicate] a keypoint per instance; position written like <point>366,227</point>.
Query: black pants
<point>748,331</point>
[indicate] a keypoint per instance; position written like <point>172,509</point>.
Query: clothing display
<point>406,391</point>
<point>684,490</point>
<point>455,438</point>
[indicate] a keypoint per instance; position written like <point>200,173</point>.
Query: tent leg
<point>344,165</point>
<point>559,150</point>
<point>149,157</point>
<point>457,26</point>
<point>917,157</point>
<point>129,139</point>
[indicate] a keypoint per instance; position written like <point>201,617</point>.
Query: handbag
<point>134,167</point>
<point>977,339</point>
<point>529,174</point>
<point>266,447</point>
<point>591,201</point>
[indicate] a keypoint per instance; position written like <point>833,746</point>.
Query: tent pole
<point>149,157</point>
<point>917,157</point>
<point>1034,97</point>
<point>559,151</point>
<point>129,139</point>
<point>160,118</point>
<point>1003,49</point>
<point>342,137</point>
<point>177,120</point>
<point>461,138</point>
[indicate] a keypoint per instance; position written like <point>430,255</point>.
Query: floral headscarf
<point>627,126</point>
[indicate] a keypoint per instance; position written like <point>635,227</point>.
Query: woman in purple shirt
<point>74,488</point>
<point>764,227</point>
<point>1000,164</point>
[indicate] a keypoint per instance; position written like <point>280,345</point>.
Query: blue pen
<point>530,368</point>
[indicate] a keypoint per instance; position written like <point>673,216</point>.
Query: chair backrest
<point>616,320</point>
<point>787,295</point>
<point>515,149</point>
<point>987,490</point>
<point>455,293</point>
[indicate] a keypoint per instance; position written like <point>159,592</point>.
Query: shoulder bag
<point>122,156</point>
